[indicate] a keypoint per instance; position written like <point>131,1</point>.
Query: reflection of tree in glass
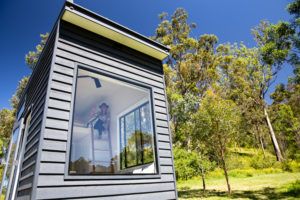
<point>142,142</point>
<point>81,166</point>
<point>100,167</point>
<point>10,161</point>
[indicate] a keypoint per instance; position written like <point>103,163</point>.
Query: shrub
<point>249,172</point>
<point>270,170</point>
<point>242,172</point>
<point>260,161</point>
<point>238,161</point>
<point>217,173</point>
<point>187,164</point>
<point>291,166</point>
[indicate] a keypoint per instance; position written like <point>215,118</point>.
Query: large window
<point>112,127</point>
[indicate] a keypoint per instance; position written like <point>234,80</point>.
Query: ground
<point>266,186</point>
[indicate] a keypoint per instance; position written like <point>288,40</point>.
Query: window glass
<point>13,161</point>
<point>112,127</point>
<point>139,141</point>
<point>21,111</point>
<point>10,162</point>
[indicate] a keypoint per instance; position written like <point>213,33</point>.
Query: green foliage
<point>32,57</point>
<point>294,10</point>
<point>7,119</point>
<point>260,161</point>
<point>249,73</point>
<point>294,99</point>
<point>280,94</point>
<point>287,127</point>
<point>190,164</point>
<point>7,116</point>
<point>187,164</point>
<point>217,97</point>
<point>241,173</point>
<point>216,123</point>
<point>236,73</point>
<point>242,158</point>
<point>19,91</point>
<point>294,189</point>
<point>189,72</point>
<point>274,43</point>
<point>244,162</point>
<point>291,165</point>
<point>241,82</point>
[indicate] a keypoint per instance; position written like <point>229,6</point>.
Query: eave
<point>90,21</point>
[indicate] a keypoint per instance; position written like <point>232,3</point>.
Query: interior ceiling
<point>88,94</point>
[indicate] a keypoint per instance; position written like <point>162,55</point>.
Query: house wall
<point>75,46</point>
<point>34,97</point>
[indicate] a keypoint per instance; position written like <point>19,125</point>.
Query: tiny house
<point>93,120</point>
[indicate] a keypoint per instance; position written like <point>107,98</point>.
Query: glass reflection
<point>10,162</point>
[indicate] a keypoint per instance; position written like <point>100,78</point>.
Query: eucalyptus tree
<point>274,45</point>
<point>189,71</point>
<point>216,123</point>
<point>240,82</point>
<point>294,82</point>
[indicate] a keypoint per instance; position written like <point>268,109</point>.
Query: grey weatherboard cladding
<point>35,103</point>
<point>52,92</point>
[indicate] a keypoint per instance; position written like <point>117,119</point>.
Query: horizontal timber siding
<point>35,97</point>
<point>78,46</point>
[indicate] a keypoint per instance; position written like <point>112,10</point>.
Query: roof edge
<point>91,17</point>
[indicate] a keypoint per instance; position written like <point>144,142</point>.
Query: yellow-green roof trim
<point>127,37</point>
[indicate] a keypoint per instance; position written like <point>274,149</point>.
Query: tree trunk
<point>203,180</point>
<point>227,180</point>
<point>260,139</point>
<point>273,137</point>
<point>262,145</point>
<point>225,171</point>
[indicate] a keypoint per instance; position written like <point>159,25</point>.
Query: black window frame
<point>124,117</point>
<point>67,175</point>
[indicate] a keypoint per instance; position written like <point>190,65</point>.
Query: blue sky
<point>22,22</point>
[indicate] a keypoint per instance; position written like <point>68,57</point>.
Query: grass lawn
<point>266,186</point>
